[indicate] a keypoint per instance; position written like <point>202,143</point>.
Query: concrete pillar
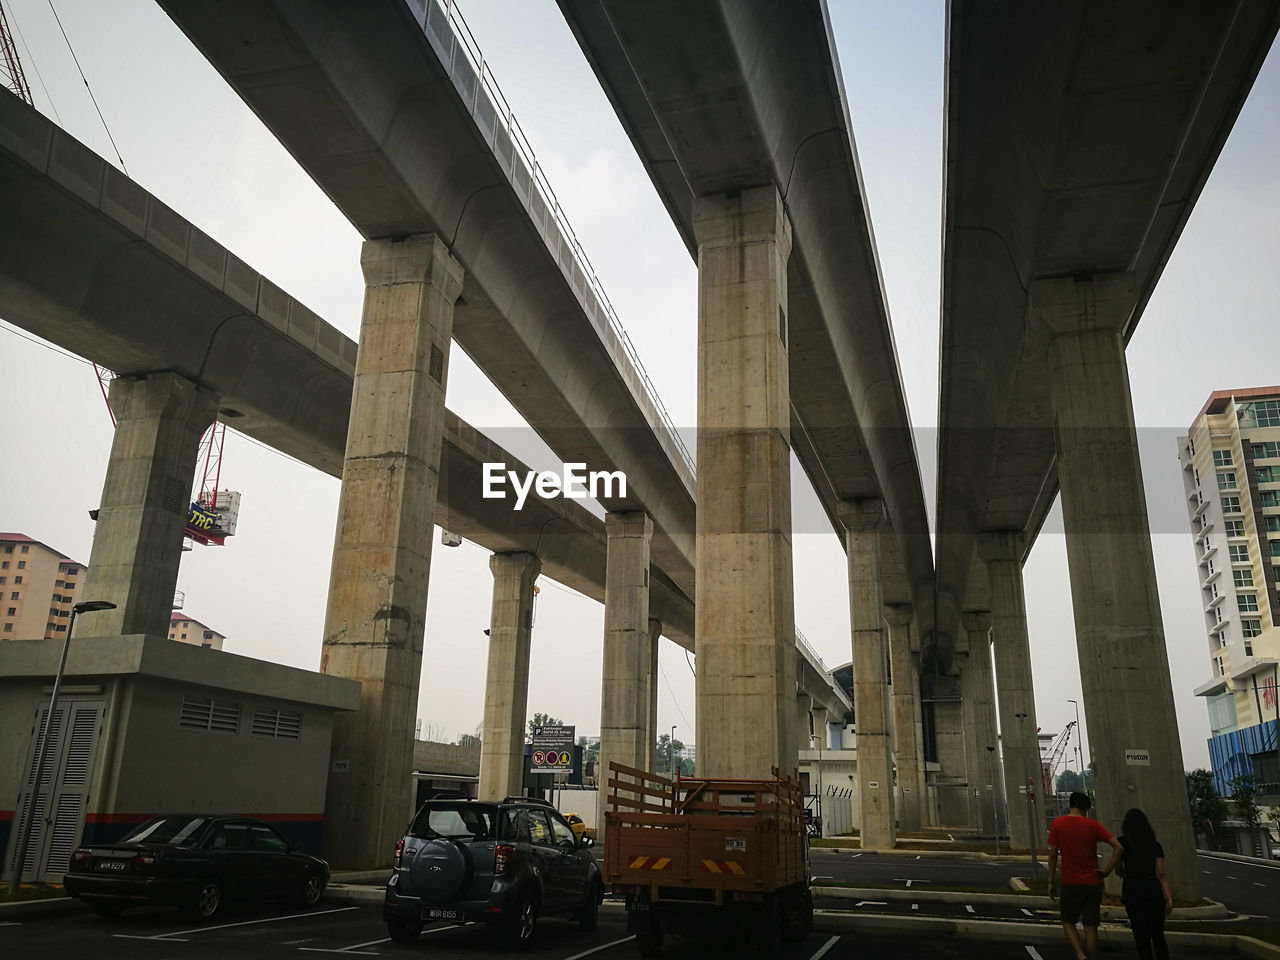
<point>382,549</point>
<point>506,691</point>
<point>908,737</point>
<point>744,622</point>
<point>146,498</point>
<point>651,691</point>
<point>1002,553</point>
<point>1124,666</point>
<point>624,695</point>
<point>977,684</point>
<point>864,523</point>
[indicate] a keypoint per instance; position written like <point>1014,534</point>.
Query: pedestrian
<point>1076,837</point>
<point>1145,892</point>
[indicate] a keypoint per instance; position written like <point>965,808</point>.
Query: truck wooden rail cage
<point>695,855</point>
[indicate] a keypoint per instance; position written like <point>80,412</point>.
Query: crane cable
<point>88,88</point>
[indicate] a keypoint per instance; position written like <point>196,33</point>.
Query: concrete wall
<point>450,758</point>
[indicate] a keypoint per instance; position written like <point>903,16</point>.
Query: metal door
<point>59,804</point>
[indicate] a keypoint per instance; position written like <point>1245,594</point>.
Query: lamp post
<point>1084,782</point>
<point>821,791</point>
<point>42,753</point>
<point>1031,803</point>
<point>671,752</point>
<point>995,808</point>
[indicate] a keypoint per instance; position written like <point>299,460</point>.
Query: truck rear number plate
<point>636,906</point>
<point>735,845</point>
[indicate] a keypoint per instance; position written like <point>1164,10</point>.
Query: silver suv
<point>505,864</point>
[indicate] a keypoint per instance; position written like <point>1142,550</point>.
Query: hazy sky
<point>187,138</point>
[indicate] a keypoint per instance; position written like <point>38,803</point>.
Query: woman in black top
<point>1145,892</point>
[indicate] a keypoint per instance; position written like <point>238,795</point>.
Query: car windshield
<point>458,822</point>
<point>180,831</point>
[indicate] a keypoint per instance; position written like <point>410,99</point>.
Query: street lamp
<point>671,752</point>
<point>86,606</point>
<point>995,809</point>
<point>1031,802</point>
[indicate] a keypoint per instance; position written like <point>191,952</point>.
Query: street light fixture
<point>1084,783</point>
<point>671,752</point>
<point>42,755</point>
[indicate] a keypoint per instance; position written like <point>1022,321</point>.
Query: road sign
<point>552,749</point>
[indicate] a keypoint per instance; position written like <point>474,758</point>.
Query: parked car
<point>576,824</point>
<point>196,862</point>
<point>506,864</point>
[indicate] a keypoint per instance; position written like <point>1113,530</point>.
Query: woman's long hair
<point>1137,832</point>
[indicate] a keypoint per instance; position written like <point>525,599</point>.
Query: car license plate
<point>637,906</point>
<point>112,866</point>
<point>441,913</point>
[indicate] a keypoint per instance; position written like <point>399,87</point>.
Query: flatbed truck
<point>721,859</point>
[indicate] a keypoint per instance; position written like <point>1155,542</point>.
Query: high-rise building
<point>1231,474</point>
<point>185,629</point>
<point>38,586</point>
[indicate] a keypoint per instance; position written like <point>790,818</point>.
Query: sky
<point>186,137</point>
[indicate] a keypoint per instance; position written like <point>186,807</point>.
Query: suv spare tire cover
<point>440,870</point>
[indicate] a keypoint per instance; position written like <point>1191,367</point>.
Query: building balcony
<point>1204,584</point>
<point>1211,687</point>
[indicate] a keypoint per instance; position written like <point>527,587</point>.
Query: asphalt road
<point>285,934</point>
<point>898,868</point>
<point>1248,888</point>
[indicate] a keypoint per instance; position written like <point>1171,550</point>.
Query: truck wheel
<point>403,931</point>
<point>798,919</point>
<point>649,944</point>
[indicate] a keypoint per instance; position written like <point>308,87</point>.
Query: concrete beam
<point>1124,664</point>
<point>382,550</point>
<point>1002,553</point>
<point>624,694</point>
<point>506,695</point>
<point>864,520</point>
<point>146,496</point>
<point>745,610</point>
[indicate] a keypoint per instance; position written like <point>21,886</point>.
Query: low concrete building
<point>160,727</point>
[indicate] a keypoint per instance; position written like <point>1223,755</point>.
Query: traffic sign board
<point>552,748</point>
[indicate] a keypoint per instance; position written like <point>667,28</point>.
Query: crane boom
<point>10,66</point>
<point>1056,751</point>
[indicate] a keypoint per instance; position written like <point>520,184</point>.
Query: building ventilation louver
<point>221,716</point>
<point>277,724</point>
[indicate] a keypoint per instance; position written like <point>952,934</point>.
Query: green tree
<point>671,755</point>
<point>1070,781</point>
<point>1208,809</point>
<point>590,749</point>
<point>543,720</point>
<point>1244,801</point>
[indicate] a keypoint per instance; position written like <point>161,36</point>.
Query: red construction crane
<point>1056,751</point>
<point>10,66</point>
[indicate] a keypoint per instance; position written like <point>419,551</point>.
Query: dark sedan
<point>197,863</point>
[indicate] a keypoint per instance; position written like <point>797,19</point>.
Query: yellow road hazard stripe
<point>639,862</point>
<point>711,865</point>
<point>661,863</point>
<point>733,865</point>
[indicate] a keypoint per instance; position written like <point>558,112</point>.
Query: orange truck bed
<point>693,839</point>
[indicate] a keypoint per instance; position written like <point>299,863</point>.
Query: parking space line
<point>968,907</point>
<point>822,950</point>
<point>1026,911</point>
<point>603,946</point>
<point>345,951</point>
<point>355,947</point>
<point>135,936</point>
<point>1033,952</point>
<point>176,935</point>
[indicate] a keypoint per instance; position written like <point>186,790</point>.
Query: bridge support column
<point>146,498</point>
<point>864,525</point>
<point>624,695</point>
<point>506,692</point>
<point>382,551</point>
<point>908,740</point>
<point>744,620</point>
<point>651,697</point>
<point>978,685</point>
<point>1002,553</point>
<point>1124,666</point>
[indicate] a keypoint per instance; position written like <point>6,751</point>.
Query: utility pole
<point>1031,799</point>
<point>995,807</point>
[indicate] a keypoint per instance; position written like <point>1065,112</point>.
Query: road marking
<point>968,907</point>
<point>917,858</point>
<point>11,923</point>
<point>822,950</point>
<point>1230,877</point>
<point>345,951</point>
<point>915,906</point>
<point>1034,953</point>
<point>134,936</point>
<point>355,947</point>
<point>603,946</point>
<point>856,856</point>
<point>1261,865</point>
<point>176,935</point>
<point>822,878</point>
<point>1026,911</point>
<point>1256,884</point>
<point>872,903</point>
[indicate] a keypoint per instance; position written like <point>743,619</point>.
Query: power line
<point>40,343</point>
<point>13,18</point>
<point>673,696</point>
<point>89,88</point>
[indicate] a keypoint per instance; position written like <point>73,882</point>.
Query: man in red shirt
<point>1077,837</point>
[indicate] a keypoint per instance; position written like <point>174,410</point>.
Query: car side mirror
<point>587,842</point>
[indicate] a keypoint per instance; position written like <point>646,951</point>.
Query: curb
<point>1214,911</point>
<point>352,894</point>
<point>35,908</point>
<point>1240,858</point>
<point>360,876</point>
<point>827,921</point>
<point>959,854</point>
